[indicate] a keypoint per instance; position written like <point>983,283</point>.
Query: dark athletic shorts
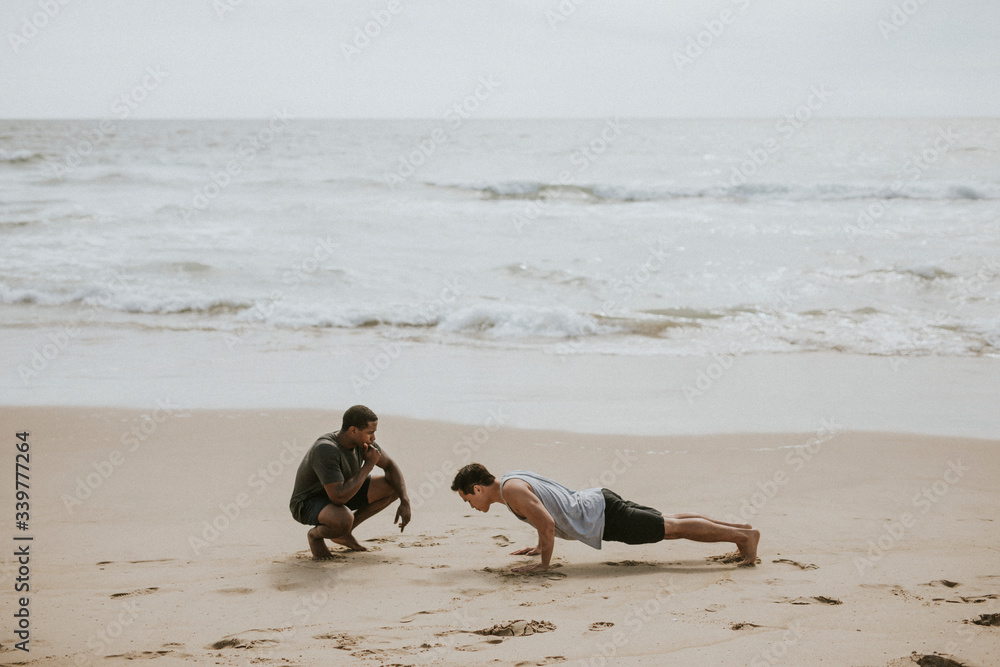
<point>309,510</point>
<point>628,522</point>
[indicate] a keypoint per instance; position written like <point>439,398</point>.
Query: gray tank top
<point>578,515</point>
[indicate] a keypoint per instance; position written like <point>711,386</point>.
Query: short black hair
<point>471,475</point>
<point>358,416</point>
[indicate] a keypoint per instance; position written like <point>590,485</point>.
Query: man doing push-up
<point>590,516</point>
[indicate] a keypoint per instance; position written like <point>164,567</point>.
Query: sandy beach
<point>166,536</point>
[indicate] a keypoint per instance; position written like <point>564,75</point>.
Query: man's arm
<point>524,502</point>
<point>341,492</point>
<point>394,476</point>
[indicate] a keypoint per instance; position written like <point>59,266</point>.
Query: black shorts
<point>628,522</point>
<point>308,511</point>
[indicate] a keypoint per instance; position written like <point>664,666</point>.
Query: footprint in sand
<point>410,618</point>
<point>806,566</point>
<point>140,655</point>
<point>420,544</point>
<point>731,557</point>
<point>248,639</point>
<point>343,641</point>
<point>502,541</point>
<point>288,585</point>
<point>601,625</point>
<point>235,591</point>
<point>986,620</point>
<point>822,599</point>
<point>898,591</point>
<point>943,582</point>
<point>740,626</point>
<point>547,660</point>
<point>518,628</point>
<point>140,591</point>
<point>929,660</point>
<point>629,563</point>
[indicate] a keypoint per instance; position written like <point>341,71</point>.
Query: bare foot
<point>349,542</point>
<point>317,546</point>
<point>749,550</point>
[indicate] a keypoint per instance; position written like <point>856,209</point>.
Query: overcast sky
<point>550,58</point>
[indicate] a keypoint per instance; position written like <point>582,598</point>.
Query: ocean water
<point>611,236</point>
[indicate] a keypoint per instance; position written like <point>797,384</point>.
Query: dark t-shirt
<point>324,463</point>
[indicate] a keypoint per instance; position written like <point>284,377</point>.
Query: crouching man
<point>335,490</point>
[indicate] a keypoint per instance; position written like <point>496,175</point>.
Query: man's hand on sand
<point>371,454</point>
<point>534,567</point>
<point>402,516</point>
<point>527,551</point>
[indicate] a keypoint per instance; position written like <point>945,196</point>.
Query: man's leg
<point>688,515</point>
<point>335,521</point>
<point>380,496</point>
<point>703,530</point>
<point>338,521</point>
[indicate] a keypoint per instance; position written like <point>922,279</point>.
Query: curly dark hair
<point>471,475</point>
<point>358,416</point>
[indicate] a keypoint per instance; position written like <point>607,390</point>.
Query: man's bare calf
<point>337,523</point>
<point>700,516</point>
<point>701,529</point>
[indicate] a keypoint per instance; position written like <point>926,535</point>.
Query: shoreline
<point>580,392</point>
